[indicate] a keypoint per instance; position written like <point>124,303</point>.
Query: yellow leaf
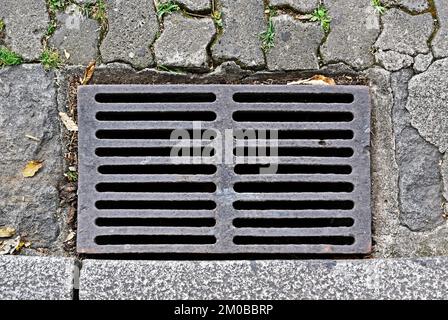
<point>88,73</point>
<point>7,232</point>
<point>31,168</point>
<point>317,80</point>
<point>68,122</point>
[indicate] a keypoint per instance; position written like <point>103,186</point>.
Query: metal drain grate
<point>134,197</point>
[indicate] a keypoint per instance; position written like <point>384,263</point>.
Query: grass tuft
<point>267,37</point>
<point>166,8</point>
<point>2,25</point>
<point>9,58</point>
<point>217,19</point>
<point>98,11</point>
<point>51,28</point>
<point>379,7</point>
<point>169,69</point>
<point>321,14</point>
<point>50,59</point>
<point>56,5</point>
<point>72,176</point>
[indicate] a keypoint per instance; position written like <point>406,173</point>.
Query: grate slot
<point>156,97</point>
<point>291,116</point>
<point>159,134</point>
<point>156,116</point>
<point>293,97</point>
<point>246,169</point>
<point>202,169</point>
<point>295,134</point>
<point>294,152</point>
<point>159,205</point>
<point>155,222</point>
<point>151,152</point>
<point>157,176</point>
<point>153,239</point>
<point>326,240</point>
<point>287,187</point>
<point>169,187</point>
<point>293,222</point>
<point>294,205</point>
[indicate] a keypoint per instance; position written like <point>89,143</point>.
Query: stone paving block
<point>440,41</point>
<point>28,107</point>
<point>243,22</point>
<point>26,23</point>
<point>184,42</point>
<point>405,33</point>
<point>420,186</point>
<point>303,6</point>
<point>265,279</point>
<point>428,100</point>
<point>420,182</point>
<point>296,45</point>
<point>36,278</point>
<point>384,167</point>
<point>354,28</point>
<point>422,62</point>
<point>412,5</point>
<point>77,36</point>
<point>393,61</point>
<point>192,5</point>
<point>133,26</point>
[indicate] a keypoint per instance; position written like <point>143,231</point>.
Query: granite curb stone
<point>265,279</point>
<point>36,278</point>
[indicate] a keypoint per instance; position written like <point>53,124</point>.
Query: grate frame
<point>225,232</point>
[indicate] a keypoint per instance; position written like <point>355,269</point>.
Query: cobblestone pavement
<point>401,48</point>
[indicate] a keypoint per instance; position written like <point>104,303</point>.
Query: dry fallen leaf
<point>70,236</point>
<point>317,80</point>
<point>31,168</point>
<point>10,246</point>
<point>32,137</point>
<point>7,232</point>
<point>68,122</point>
<point>66,54</point>
<point>88,73</point>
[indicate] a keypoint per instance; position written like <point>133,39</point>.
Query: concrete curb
<point>265,279</point>
<point>36,278</point>
<point>50,278</point>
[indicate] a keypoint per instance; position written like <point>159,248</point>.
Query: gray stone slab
<point>296,45</point>
<point>419,180</point>
<point>273,279</point>
<point>133,26</point>
<point>412,5</point>
<point>76,37</point>
<point>405,33</point>
<point>354,28</point>
<point>393,61</point>
<point>385,206</point>
<point>440,41</point>
<point>36,278</point>
<point>192,5</point>
<point>243,22</point>
<point>28,107</point>
<point>303,6</point>
<point>422,62</point>
<point>428,99</point>
<point>184,42</point>
<point>26,23</point>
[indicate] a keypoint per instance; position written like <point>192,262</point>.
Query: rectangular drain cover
<point>271,169</point>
